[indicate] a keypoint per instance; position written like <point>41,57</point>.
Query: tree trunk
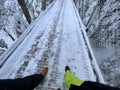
<point>43,5</point>
<point>9,34</point>
<point>25,10</point>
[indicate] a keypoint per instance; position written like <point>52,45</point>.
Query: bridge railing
<point>96,68</point>
<point>12,48</point>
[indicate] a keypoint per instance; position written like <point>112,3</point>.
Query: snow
<point>55,39</point>
<point>88,47</point>
<point>4,36</point>
<point>103,30</point>
<point>10,19</point>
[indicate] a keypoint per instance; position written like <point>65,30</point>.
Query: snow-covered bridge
<point>55,39</point>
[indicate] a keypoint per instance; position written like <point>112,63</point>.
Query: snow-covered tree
<point>13,21</point>
<point>102,20</point>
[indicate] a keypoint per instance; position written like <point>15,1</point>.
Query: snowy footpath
<point>55,40</point>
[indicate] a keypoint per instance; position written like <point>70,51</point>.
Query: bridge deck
<point>55,40</point>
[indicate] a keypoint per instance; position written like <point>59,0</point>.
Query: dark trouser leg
<point>33,81</point>
<point>26,83</point>
<point>97,86</point>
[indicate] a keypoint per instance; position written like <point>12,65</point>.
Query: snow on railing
<point>9,51</point>
<point>90,52</point>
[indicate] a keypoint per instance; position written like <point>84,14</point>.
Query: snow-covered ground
<point>56,40</point>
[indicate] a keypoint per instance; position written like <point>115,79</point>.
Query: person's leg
<point>97,86</point>
<point>71,79</point>
<point>34,80</point>
<point>26,83</point>
<point>12,84</point>
<point>30,82</point>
